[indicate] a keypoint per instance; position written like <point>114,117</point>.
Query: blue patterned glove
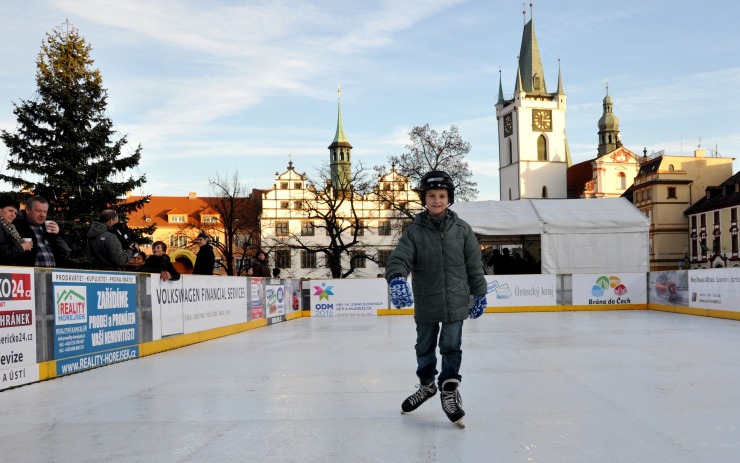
<point>401,295</point>
<point>479,305</point>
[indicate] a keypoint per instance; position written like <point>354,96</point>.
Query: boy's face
<point>437,201</point>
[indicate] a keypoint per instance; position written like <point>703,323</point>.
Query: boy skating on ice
<point>442,254</point>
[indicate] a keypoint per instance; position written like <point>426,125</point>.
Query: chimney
<point>192,195</point>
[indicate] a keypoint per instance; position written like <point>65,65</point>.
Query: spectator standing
<point>205,259</point>
<point>276,272</point>
<point>104,250</point>
<point>260,268</point>
<point>50,249</point>
<point>12,246</point>
<point>160,263</point>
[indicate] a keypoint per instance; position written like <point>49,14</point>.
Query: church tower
<point>340,153</point>
<point>533,148</point>
<point>608,127</point>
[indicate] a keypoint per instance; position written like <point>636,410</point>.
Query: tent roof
<point>537,216</point>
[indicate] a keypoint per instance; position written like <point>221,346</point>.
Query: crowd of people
<point>506,262</point>
<point>29,239</point>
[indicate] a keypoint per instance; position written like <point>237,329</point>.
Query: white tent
<point>575,235</point>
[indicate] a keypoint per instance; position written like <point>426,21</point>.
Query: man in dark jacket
<point>50,249</point>
<point>260,268</point>
<point>204,260</point>
<point>104,249</point>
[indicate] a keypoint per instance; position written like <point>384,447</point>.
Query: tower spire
<point>560,80</point>
<point>339,136</point>
<point>530,63</point>
<point>500,89</point>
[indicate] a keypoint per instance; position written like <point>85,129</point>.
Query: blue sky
<point>223,86</point>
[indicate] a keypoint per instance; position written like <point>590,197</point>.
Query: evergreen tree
<point>63,148</point>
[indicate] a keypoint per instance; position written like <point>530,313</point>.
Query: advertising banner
<point>257,298</point>
<point>609,289</point>
<point>95,319</point>
<point>717,288</point>
<point>275,302</point>
<point>295,294</point>
<point>521,290</point>
<point>669,288</point>
<point>17,328</point>
<point>348,297</point>
<point>198,302</point>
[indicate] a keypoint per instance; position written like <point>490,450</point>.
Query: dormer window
<point>283,185</point>
<point>176,218</point>
<point>298,185</point>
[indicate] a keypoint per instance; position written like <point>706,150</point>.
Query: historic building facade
<point>713,227</point>
<point>308,223</point>
<point>663,190</point>
<point>614,168</point>
<point>533,148</point>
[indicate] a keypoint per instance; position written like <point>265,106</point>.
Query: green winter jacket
<point>445,265</point>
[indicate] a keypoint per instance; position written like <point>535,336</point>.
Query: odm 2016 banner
<point>348,297</point>
<point>609,289</point>
<point>94,319</point>
<point>17,328</point>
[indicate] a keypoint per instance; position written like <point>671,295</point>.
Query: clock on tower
<point>542,120</point>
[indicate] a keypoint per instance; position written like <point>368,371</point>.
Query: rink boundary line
<point>520,309</point>
<point>48,369</point>
<point>695,311</point>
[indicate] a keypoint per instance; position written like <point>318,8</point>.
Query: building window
<point>308,259</point>
<point>210,219</point>
<point>384,227</point>
<point>298,185</point>
<point>544,192</point>
<point>671,168</point>
<point>622,181</point>
<point>282,258</point>
<point>358,227</point>
<point>672,192</point>
<point>177,219</point>
<point>283,185</point>
<point>307,229</point>
<point>284,204</point>
<point>387,186</point>
<point>178,241</point>
<point>383,256</point>
<point>358,258</point>
<point>281,228</point>
<point>242,241</point>
<point>298,205</point>
<point>541,148</point>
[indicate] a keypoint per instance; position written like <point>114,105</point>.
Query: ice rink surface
<point>621,386</point>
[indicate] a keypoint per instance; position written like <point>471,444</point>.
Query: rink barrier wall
<point>58,322</point>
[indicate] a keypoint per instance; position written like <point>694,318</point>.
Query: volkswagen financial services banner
<point>197,303</point>
<point>94,319</point>
<point>348,297</point>
<point>17,328</point>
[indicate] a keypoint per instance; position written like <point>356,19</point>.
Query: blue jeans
<point>450,339</point>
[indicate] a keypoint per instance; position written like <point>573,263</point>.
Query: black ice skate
<point>419,397</point>
<point>452,402</point>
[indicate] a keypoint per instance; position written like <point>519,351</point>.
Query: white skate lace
<point>421,395</point>
<point>451,401</point>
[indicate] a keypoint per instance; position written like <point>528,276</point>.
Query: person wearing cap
<point>260,267</point>
<point>12,245</point>
<point>204,260</point>
<point>104,249</point>
<point>442,254</point>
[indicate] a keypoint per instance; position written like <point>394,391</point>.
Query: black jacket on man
<point>104,249</point>
<point>204,261</point>
<point>57,243</point>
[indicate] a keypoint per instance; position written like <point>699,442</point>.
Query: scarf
<point>11,229</point>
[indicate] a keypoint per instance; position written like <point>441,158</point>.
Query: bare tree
<point>430,150</point>
<point>335,215</point>
<point>235,214</point>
